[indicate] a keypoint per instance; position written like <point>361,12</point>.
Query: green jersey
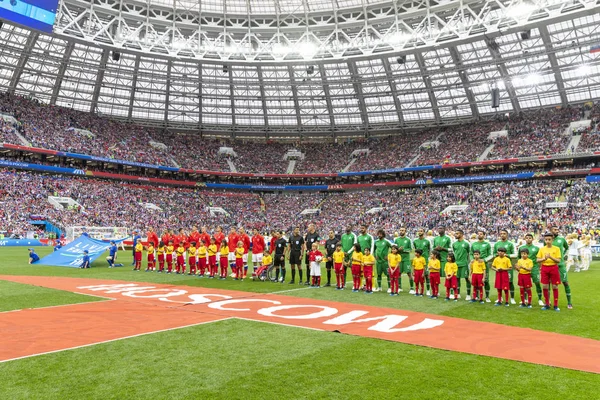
<point>404,245</point>
<point>348,240</point>
<point>533,252</point>
<point>424,245</point>
<point>508,246</point>
<point>382,249</point>
<point>485,249</point>
<point>561,243</point>
<point>461,252</point>
<point>366,242</point>
<point>445,243</point>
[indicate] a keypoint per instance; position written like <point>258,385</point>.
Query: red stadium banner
<point>29,149</point>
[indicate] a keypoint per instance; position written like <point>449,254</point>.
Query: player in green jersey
<point>423,244</point>
<point>382,249</point>
<point>347,240</point>
<point>404,247</point>
<point>511,252</point>
<point>535,272</point>
<point>461,250</point>
<point>485,254</point>
<point>442,243</point>
<point>561,243</point>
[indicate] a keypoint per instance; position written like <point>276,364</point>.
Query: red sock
<point>555,294</point>
<point>546,293</point>
<point>499,295</point>
<point>529,296</point>
<point>447,292</point>
<point>318,281</point>
<point>522,295</point>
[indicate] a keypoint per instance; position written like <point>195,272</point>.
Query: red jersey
<point>206,237</point>
<point>219,236</point>
<point>246,241</point>
<point>165,238</point>
<point>153,238</point>
<point>258,244</point>
<point>312,255</point>
<point>232,240</point>
<point>181,239</point>
<point>194,237</point>
<point>272,246</point>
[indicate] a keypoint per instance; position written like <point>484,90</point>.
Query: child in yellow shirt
<point>223,259</point>
<point>338,265</point>
<point>394,259</point>
<point>138,255</point>
<point>180,268</point>
<point>150,257</point>
<point>212,257</point>
<point>524,266</point>
<point>161,250</point>
<point>357,259</point>
<point>451,270</point>
<point>418,264</point>
<point>502,265</point>
<point>434,267</point>
<point>368,263</point>
<point>201,252</point>
<point>239,261</point>
<point>192,258</point>
<point>477,277</point>
<point>169,253</point>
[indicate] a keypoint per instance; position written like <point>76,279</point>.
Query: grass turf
<point>17,296</point>
<point>243,359</point>
<point>237,359</point>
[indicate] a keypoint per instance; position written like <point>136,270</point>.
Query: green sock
<point>379,282</point>
<point>412,283</point>
<point>512,290</point>
<point>468,287</point>
<point>427,282</point>
<point>568,292</point>
<point>388,281</point>
<point>538,289</point>
<point>486,285</point>
<point>400,283</point>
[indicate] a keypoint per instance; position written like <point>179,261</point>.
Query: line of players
<point>376,256</point>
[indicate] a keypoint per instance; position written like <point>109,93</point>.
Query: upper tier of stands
<point>538,132</point>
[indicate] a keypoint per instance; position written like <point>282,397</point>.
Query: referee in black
<point>330,244</point>
<point>311,237</point>
<point>296,246</point>
<point>279,256</point>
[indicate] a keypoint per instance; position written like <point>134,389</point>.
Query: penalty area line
<point>114,340</point>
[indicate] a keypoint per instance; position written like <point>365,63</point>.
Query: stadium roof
<point>311,68</point>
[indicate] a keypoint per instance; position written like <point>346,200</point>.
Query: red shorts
<point>138,256</point>
<point>434,278</point>
<point>419,275</point>
<point>170,258</point>
<point>355,269</point>
<point>502,280</point>
<point>150,257</point>
<point>223,261</point>
<point>477,280</point>
<point>524,280</point>
<point>212,260</point>
<point>239,262</point>
<point>368,270</point>
<point>451,283</point>
<point>161,258</point>
<point>202,262</point>
<point>180,260</point>
<point>550,275</point>
<point>192,261</point>
<point>338,268</point>
<point>394,273</point>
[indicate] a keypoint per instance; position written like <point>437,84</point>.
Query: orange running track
<point>142,308</point>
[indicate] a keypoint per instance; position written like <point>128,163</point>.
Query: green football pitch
<point>239,359</point>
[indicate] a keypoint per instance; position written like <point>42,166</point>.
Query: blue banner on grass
<point>72,254</point>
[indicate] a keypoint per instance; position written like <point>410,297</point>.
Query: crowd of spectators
<point>519,206</point>
<point>536,133</point>
<point>529,133</point>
